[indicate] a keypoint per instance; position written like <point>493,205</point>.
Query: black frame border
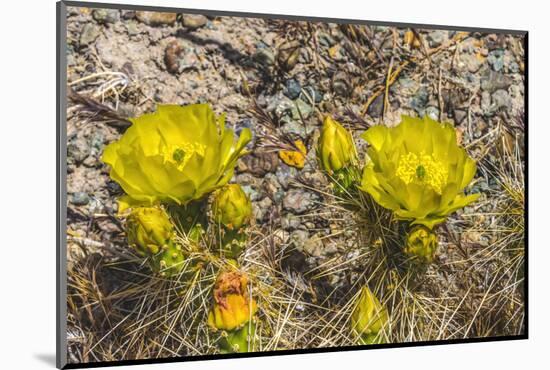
<point>61,186</point>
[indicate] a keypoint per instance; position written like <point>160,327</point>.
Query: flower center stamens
<point>180,154</point>
<point>420,172</point>
<point>422,169</point>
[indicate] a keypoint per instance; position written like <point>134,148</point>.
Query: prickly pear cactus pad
<point>239,184</point>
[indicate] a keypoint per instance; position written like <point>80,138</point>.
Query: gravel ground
<point>295,72</point>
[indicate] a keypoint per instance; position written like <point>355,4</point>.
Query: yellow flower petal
<point>295,158</point>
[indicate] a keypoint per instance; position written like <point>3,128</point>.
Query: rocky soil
<point>279,78</point>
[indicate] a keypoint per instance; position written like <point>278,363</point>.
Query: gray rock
<point>252,193</point>
<point>265,57</point>
<point>331,248</point>
<point>292,89</point>
<point>113,188</point>
<point>290,222</point>
<point>432,112</point>
<point>436,38</point>
<point>80,198</point>
<point>297,128</point>
<point>496,59</point>
<point>419,100</point>
<point>78,149</point>
<point>492,103</point>
<point>471,62</point>
<point>262,209</point>
<point>492,81</point>
<point>132,28</point>
<point>285,174</point>
<point>280,105</point>
<point>405,85</point>
<point>314,246</point>
<point>376,107</point>
<point>194,21</point>
<point>106,15</point>
<point>298,239</point>
<point>272,186</point>
<point>90,32</point>
<point>155,35</point>
<point>459,115</point>
<point>300,201</point>
<point>246,179</point>
<point>501,99</point>
<point>96,143</point>
<point>315,178</point>
<point>301,109</point>
<point>513,67</point>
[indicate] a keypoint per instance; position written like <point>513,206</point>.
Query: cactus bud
<point>421,244</point>
<point>368,318</point>
<point>232,306</point>
<point>150,232</point>
<point>148,229</point>
<point>232,207</point>
<point>336,148</point>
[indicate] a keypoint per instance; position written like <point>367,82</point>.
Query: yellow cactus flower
<point>174,155</point>
<point>368,317</point>
<point>417,170</point>
<point>421,244</point>
<point>232,306</point>
<point>148,229</point>
<point>232,207</point>
<point>335,149</point>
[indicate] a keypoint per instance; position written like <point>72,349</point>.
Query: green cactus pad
<point>169,261</point>
<point>239,340</point>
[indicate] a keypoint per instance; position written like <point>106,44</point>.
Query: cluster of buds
<point>150,233</point>
<point>233,311</point>
<point>421,244</point>
<point>368,318</point>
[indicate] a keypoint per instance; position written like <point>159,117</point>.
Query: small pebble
<point>292,89</point>
<point>80,198</point>
<point>156,18</point>
<point>194,21</point>
<point>106,15</point>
